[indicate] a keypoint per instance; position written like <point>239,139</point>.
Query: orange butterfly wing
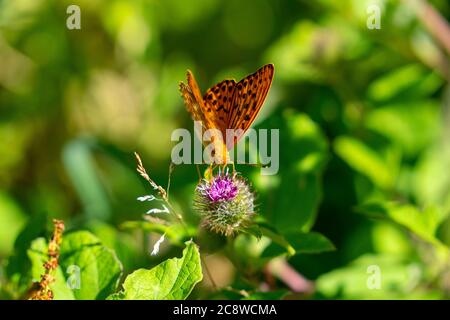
<point>248,97</point>
<point>211,112</point>
<point>228,105</point>
<point>194,102</point>
<point>217,100</point>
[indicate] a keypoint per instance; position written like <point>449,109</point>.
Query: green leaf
<point>253,230</point>
<point>430,185</point>
<point>302,157</point>
<point>311,242</point>
<point>365,161</point>
<point>19,263</point>
<point>123,244</point>
<point>422,223</point>
<point>411,125</point>
<point>12,220</point>
<point>38,256</point>
<point>100,270</point>
<point>396,277</point>
<point>279,243</point>
<point>409,82</point>
<point>297,58</point>
<point>80,166</point>
<point>172,279</point>
<point>271,295</point>
<point>293,243</point>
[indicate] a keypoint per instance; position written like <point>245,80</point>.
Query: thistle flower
<point>225,203</point>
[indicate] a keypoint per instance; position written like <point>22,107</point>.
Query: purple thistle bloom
<point>225,203</point>
<point>222,188</point>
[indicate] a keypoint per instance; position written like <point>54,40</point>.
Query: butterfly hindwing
<point>248,98</point>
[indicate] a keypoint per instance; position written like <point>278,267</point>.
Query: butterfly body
<point>227,105</point>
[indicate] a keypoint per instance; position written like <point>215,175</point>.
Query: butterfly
<point>227,105</point>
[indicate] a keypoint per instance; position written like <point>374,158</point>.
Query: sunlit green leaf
<point>411,125</point>
<point>271,295</point>
<point>172,279</point>
<point>12,220</point>
<point>38,256</point>
<point>423,223</point>
<point>100,270</point>
<point>295,243</point>
<point>411,81</point>
<point>364,160</point>
<point>374,277</point>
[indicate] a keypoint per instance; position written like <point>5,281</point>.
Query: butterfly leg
<point>211,172</point>
<point>199,173</point>
<point>210,169</point>
<point>225,167</point>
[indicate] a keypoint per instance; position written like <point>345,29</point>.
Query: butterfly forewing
<point>248,97</point>
<point>193,101</point>
<point>217,101</point>
<point>227,105</point>
<point>198,108</point>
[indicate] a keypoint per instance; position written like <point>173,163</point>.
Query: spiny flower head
<point>221,188</point>
<point>225,203</point>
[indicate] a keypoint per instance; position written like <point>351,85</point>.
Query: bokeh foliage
<point>364,119</point>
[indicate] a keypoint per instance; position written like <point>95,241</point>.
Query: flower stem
<point>213,283</point>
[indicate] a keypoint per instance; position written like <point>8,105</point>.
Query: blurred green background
<point>364,119</point>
